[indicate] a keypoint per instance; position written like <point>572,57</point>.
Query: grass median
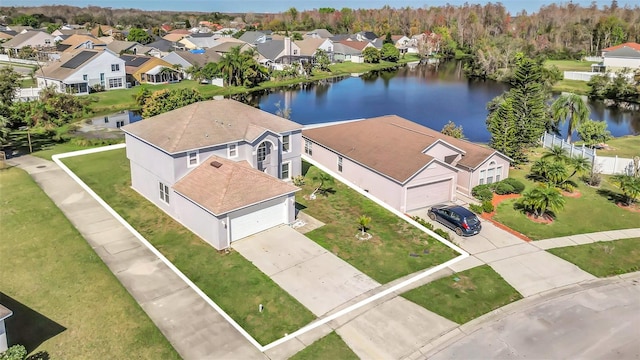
<point>602,259</point>
<point>228,279</point>
<point>465,296</point>
<point>65,300</point>
<point>329,347</point>
<point>396,248</point>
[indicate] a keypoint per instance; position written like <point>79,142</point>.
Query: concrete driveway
<point>318,279</point>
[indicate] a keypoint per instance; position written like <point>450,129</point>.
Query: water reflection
<point>427,94</point>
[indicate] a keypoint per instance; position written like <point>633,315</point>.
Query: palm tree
<point>542,199</point>
<point>230,64</point>
<point>556,173</point>
<point>579,165</point>
<point>323,178</point>
<point>630,187</point>
<point>572,107</point>
<point>556,153</point>
<point>364,221</point>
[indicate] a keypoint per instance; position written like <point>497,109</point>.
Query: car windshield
<point>472,220</point>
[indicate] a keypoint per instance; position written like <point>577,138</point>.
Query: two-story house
<point>219,167</point>
<point>77,71</point>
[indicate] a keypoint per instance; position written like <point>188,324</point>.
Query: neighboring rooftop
<point>4,312</point>
<point>220,185</point>
<point>207,123</point>
<point>391,145</point>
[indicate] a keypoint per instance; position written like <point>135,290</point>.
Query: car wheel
<point>432,216</point>
<point>458,231</point>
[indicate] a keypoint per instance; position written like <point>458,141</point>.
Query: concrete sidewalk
<point>193,327</point>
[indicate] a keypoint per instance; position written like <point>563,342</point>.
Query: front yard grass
<point>54,274</point>
<point>230,280</point>
<point>329,347</point>
<point>625,147</point>
<point>396,248</point>
<point>593,211</point>
<point>465,296</point>
<point>606,258</point>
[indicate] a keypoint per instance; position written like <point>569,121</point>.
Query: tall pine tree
<point>518,118</point>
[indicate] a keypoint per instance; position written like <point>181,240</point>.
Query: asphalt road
<point>600,321</point>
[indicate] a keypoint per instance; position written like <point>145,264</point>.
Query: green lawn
<point>230,280</point>
<point>625,146</point>
<point>570,65</point>
<point>329,347</point>
<point>571,86</point>
<point>465,296</point>
<point>604,259</point>
<point>593,211</point>
<point>396,248</point>
<point>70,304</point>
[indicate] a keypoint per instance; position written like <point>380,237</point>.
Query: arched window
<point>262,151</point>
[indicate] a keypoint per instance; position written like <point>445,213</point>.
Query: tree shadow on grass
<point>612,196</point>
<point>28,327</point>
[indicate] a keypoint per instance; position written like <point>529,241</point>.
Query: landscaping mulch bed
<point>632,208</point>
<point>497,199</point>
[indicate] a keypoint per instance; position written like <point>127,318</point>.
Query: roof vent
<point>216,164</point>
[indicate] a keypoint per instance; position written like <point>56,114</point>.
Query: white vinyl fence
<point>602,164</point>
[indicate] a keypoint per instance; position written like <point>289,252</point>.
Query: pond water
<point>427,94</point>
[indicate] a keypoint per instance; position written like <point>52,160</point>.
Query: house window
<point>106,119</point>
<point>115,83</point>
<point>308,147</point>
<point>192,159</point>
<point>232,150</point>
<point>285,143</point>
<point>490,175</point>
<point>115,67</point>
<point>262,151</point>
<point>164,192</point>
<point>285,171</point>
<point>102,79</point>
<point>119,124</point>
<point>47,41</point>
<point>85,77</point>
<point>295,52</point>
<point>339,163</point>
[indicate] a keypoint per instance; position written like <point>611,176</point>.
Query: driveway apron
<point>318,279</point>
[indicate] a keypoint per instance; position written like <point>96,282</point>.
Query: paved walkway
<point>193,327</point>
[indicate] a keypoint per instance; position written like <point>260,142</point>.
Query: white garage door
<point>256,221</point>
<point>428,194</point>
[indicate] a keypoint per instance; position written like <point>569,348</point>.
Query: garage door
<point>428,194</point>
<point>256,221</point>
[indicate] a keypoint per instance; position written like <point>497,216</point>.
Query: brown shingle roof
<point>223,189</point>
<point>56,70</point>
<point>391,145</point>
<point>309,46</point>
<point>358,45</point>
<point>207,123</point>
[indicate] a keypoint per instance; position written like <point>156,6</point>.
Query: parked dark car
<point>461,220</point>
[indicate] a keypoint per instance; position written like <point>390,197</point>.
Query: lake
<point>425,94</point>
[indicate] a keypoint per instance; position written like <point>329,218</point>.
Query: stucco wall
<point>499,162</point>
<point>154,160</point>
<point>381,187</point>
<point>440,150</point>
<point>199,221</point>
<point>146,183</point>
<point>620,62</point>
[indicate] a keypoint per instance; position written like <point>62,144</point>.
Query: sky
<point>275,6</point>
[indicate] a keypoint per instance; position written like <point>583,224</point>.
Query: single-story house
<point>80,41</point>
<point>4,314</point>
<point>186,59</point>
<point>404,164</point>
<point>219,167</point>
<point>279,51</point>
<point>309,46</point>
<point>149,69</point>
<point>77,71</point>
<point>33,38</point>
<point>625,55</point>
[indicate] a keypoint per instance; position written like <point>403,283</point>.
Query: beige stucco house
<point>402,163</point>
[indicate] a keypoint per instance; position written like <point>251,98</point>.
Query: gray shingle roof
<point>271,49</point>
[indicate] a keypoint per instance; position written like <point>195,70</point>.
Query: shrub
<point>476,208</point>
<point>487,206</point>
<point>518,186</point>
<point>593,179</point>
<point>482,192</point>
<point>16,352</point>
<point>504,188</point>
<point>443,233</point>
<point>298,180</point>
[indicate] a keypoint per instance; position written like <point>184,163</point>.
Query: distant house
<point>186,59</point>
<point>68,32</point>
<point>256,37</point>
<point>34,38</point>
<point>78,41</point>
<point>160,48</point>
<point>318,34</point>
<point>364,36</point>
<point>621,56</point>
<point>124,47</point>
<point>224,47</point>
<point>149,69</point>
<point>4,314</point>
<point>309,47</point>
<point>198,42</point>
<point>402,163</point>
<point>77,71</point>
<point>219,167</point>
<point>349,50</point>
<point>6,35</point>
<point>279,52</point>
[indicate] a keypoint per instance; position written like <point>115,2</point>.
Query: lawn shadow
<point>611,196</point>
<point>28,327</point>
<point>305,168</point>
